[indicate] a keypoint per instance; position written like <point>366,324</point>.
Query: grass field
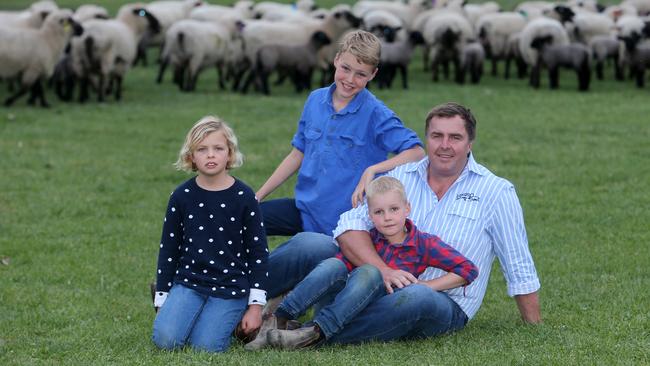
<point>83,190</point>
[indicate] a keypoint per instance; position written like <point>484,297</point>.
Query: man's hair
<point>451,109</point>
<point>385,184</point>
<point>363,45</point>
<point>197,133</point>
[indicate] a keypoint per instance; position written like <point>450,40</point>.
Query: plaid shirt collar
<point>377,237</point>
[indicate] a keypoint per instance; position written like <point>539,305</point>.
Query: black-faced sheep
<point>604,48</point>
<point>575,56</point>
<point>396,56</point>
<point>639,53</point>
<point>472,56</point>
<point>296,61</point>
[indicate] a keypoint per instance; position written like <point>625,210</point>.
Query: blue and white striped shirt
<point>480,216</point>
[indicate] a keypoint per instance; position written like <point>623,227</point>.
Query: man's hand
<point>252,319</point>
<point>396,278</point>
<point>529,308</point>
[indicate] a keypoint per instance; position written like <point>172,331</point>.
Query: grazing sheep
<point>552,56</point>
<point>627,26</point>
<point>540,27</point>
<point>192,46</point>
<point>639,55</point>
<point>513,53</point>
<point>31,54</point>
<point>108,48</point>
<point>474,12</point>
<point>242,9</point>
<point>446,33</point>
<point>269,10</point>
<point>585,26</point>
<point>494,30</point>
<point>382,24</point>
<point>396,56</point>
<point>534,9</point>
<point>406,11</point>
<point>30,18</point>
<point>605,47</point>
<point>472,57</point>
<point>296,61</point>
<point>642,6</point>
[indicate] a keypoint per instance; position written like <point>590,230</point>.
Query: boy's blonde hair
<point>197,133</point>
<point>385,184</point>
<point>363,45</point>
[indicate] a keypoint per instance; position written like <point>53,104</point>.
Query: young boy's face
<point>388,212</point>
<point>351,76</point>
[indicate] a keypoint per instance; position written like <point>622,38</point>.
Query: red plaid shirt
<point>419,251</point>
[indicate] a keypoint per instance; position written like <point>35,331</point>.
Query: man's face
<point>447,146</point>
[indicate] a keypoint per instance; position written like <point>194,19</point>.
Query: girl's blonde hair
<point>385,184</point>
<point>197,133</point>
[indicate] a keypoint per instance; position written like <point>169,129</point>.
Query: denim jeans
<point>190,318</point>
<point>415,311</point>
<point>293,260</point>
<point>281,217</point>
<point>351,292</point>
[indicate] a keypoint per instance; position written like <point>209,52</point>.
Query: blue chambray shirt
<point>337,148</point>
<point>480,216</point>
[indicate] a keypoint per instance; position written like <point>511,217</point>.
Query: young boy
<point>344,136</point>
<point>398,243</point>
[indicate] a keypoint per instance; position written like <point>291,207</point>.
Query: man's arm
<point>357,247</point>
<point>529,307</point>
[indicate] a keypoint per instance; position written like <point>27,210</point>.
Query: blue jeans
<point>281,217</point>
<point>351,292</point>
<point>293,260</point>
<point>190,318</point>
<point>415,311</point>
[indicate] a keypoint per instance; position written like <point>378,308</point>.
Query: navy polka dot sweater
<point>213,242</point>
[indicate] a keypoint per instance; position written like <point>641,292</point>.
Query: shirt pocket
<point>351,150</point>
<point>312,137</point>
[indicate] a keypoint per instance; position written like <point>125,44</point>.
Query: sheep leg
<point>248,81</point>
<point>494,66</point>
<point>521,68</point>
<point>118,88</point>
<point>640,76</point>
<point>445,69</point>
<point>161,70</point>
<point>554,77</point>
<point>535,76</point>
<point>584,74</point>
<point>39,93</point>
<point>220,77</point>
<point>599,70</point>
<point>403,71</point>
<point>507,69</point>
<point>100,89</point>
<point>459,72</point>
<point>83,90</point>
<point>21,91</point>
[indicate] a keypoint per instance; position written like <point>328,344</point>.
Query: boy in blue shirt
<point>344,136</point>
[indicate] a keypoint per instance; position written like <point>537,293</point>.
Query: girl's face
<point>211,155</point>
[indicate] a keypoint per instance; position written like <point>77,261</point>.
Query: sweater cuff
<point>160,298</point>
<point>257,297</point>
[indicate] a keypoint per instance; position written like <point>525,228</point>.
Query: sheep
<point>614,12</point>
<point>446,33</point>
<point>275,11</point>
<point>513,53</point>
<point>472,57</point>
<point>167,12</point>
<point>534,9</point>
<point>383,24</point>
<point>243,9</point>
<point>537,28</point>
<point>31,54</point>
<point>297,61</point>
<point>603,47</point>
<point>494,30</point>
<point>639,54</point>
<point>405,11</point>
<point>87,12</point>
<point>192,46</point>
<point>396,56</point>
<point>585,26</point>
<point>30,18</point>
<point>108,48</point>
<point>553,56</point>
<point>586,5</point>
<point>627,26</point>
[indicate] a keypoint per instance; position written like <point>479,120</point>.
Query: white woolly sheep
<point>642,6</point>
<point>614,12</point>
<point>602,48</point>
<point>269,10</point>
<point>627,26</point>
<point>585,26</point>
<point>540,27</point>
<point>494,30</point>
<point>475,11</point>
<point>472,56</point>
<point>446,33</point>
<point>405,11</point>
<point>513,53</point>
<point>296,61</point>
<point>31,54</point>
<point>218,13</point>
<point>396,56</point>
<point>382,24</point>
<point>553,56</point>
<point>534,9</point>
<point>638,51</point>
<point>33,17</point>
<point>110,47</point>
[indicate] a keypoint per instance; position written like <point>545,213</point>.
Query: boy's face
<point>351,76</point>
<point>388,212</point>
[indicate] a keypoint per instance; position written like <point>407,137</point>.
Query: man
<point>462,202</point>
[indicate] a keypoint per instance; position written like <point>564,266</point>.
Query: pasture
<point>83,190</point>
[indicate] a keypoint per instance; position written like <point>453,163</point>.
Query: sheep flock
<point>85,54</point>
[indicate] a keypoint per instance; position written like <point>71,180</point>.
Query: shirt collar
<point>408,240</point>
<point>354,104</point>
<point>422,166</point>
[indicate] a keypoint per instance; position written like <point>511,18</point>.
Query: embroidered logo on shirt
<point>467,197</point>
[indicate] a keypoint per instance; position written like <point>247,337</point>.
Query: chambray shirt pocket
<point>312,136</point>
<point>350,150</point>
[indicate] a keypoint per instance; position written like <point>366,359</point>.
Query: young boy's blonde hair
<point>197,133</point>
<point>363,45</point>
<point>385,184</point>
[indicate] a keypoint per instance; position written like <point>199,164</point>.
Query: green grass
<point>83,189</point>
